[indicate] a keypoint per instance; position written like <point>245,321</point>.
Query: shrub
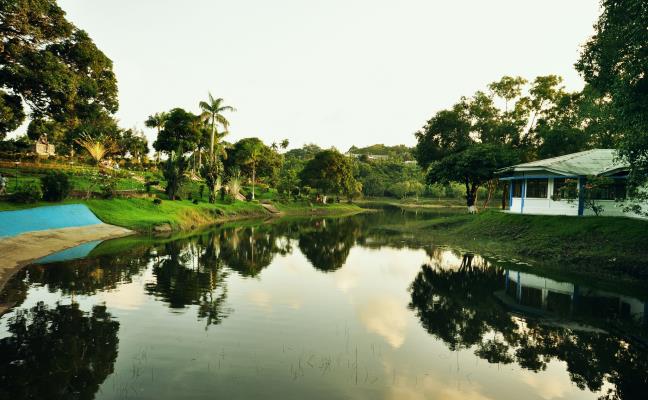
<point>28,193</point>
<point>55,186</point>
<point>157,201</point>
<point>195,201</point>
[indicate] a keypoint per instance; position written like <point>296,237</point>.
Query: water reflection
<point>266,292</point>
<point>469,307</point>
<point>57,352</point>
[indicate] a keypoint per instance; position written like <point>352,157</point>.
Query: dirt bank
<point>18,251</point>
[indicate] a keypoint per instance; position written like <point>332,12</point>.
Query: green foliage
<point>379,177</point>
<point>11,113</point>
<point>472,167</point>
<point>180,133</point>
<point>254,159</point>
<point>174,174</point>
<point>212,172</point>
<point>330,172</point>
<point>55,186</point>
<point>305,153</point>
<point>53,66</point>
<point>448,131</point>
<point>234,183</point>
<point>133,142</point>
<point>212,112</point>
<point>399,152</point>
<point>615,64</point>
<point>406,188</point>
<point>26,194</point>
<point>107,186</point>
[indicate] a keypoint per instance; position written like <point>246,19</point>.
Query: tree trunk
<point>253,179</point>
<point>471,196</point>
<point>211,144</point>
<point>492,186</point>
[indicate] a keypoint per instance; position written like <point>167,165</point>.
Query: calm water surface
<point>312,309</point>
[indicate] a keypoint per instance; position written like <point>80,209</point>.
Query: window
<point>537,188</point>
<point>613,191</point>
<point>565,188</point>
<point>517,188</point>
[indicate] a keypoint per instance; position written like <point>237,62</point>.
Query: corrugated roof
<point>589,162</point>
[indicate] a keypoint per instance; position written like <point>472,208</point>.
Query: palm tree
<point>253,156</point>
<point>212,111</point>
<point>157,121</point>
<point>98,148</point>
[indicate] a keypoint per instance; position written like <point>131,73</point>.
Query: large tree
<point>508,115</point>
<point>180,133</point>
<point>51,66</point>
<point>329,172</point>
<point>254,159</point>
<point>615,63</point>
<point>473,167</point>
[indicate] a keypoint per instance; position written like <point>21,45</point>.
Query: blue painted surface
<point>581,196</point>
<point>74,253</point>
<point>522,196</point>
<point>511,195</point>
<point>14,223</point>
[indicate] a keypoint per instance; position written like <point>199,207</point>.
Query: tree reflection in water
<point>57,353</point>
<point>327,242</point>
<point>458,306</point>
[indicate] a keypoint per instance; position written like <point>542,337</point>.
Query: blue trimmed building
<point>535,187</point>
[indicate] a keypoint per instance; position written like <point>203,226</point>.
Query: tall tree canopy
<point>330,172</point>
<point>615,63</point>
<point>180,133</point>
<point>254,159</point>
<point>51,66</point>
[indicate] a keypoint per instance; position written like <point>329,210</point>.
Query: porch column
<point>511,184</point>
<point>581,196</point>
<point>522,196</point>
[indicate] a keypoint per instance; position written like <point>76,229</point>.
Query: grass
<point>143,214</point>
<point>603,247</point>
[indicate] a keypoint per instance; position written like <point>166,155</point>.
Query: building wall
<point>548,206</point>
<point>545,206</point>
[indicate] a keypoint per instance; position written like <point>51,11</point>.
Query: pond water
<point>337,308</point>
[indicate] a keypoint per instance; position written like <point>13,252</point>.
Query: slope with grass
<point>143,215</point>
<point>604,247</point>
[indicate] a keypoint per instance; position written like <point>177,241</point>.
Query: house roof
<point>589,162</point>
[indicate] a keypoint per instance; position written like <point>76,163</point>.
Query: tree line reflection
<point>57,352</point>
<point>458,306</point>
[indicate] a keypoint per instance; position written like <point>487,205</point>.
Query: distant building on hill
<point>44,148</point>
<point>538,187</point>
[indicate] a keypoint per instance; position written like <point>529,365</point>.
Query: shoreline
<point>21,250</point>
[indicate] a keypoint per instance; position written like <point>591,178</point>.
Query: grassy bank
<point>143,215</point>
<point>605,247</point>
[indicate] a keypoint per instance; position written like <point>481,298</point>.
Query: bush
<point>28,193</point>
<point>157,201</point>
<point>55,186</point>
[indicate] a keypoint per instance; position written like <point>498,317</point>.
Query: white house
<point>534,187</point>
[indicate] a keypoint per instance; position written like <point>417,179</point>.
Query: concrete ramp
<point>13,223</point>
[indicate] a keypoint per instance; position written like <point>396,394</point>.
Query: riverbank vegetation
<point>599,248</point>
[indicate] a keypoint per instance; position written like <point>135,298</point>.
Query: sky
<point>331,72</point>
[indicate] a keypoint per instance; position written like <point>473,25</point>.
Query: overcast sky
<point>332,72</point>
